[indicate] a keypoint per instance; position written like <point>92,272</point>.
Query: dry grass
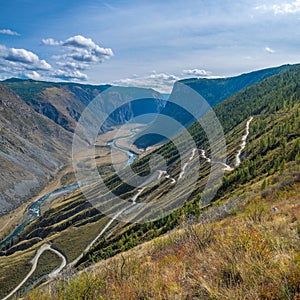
<point>252,255</point>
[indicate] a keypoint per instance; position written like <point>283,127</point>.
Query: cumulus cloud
<point>196,72</point>
<point>21,55</point>
<point>33,75</point>
<point>162,82</point>
<point>80,48</point>
<point>72,65</point>
<point>74,75</point>
<point>21,62</point>
<point>290,7</point>
<point>78,53</point>
<point>30,59</point>
<point>3,51</point>
<point>9,32</point>
<point>269,50</point>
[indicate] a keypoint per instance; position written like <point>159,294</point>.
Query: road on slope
<point>34,261</point>
<point>243,144</point>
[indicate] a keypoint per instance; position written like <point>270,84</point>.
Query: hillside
<point>268,176</point>
<point>64,102</point>
<point>32,150</point>
<point>214,91</point>
<point>250,251</point>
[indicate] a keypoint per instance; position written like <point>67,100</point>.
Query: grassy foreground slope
<point>251,252</point>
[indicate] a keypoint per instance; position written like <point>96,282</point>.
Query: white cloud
<point>81,49</point>
<point>51,42</point>
<point>196,72</point>
<point>86,49</point>
<point>79,41</point>
<point>162,82</point>
<point>72,65</point>
<point>21,55</point>
<point>22,63</point>
<point>33,75</point>
<point>290,7</point>
<point>29,59</point>
<point>78,53</point>
<point>9,32</point>
<point>269,50</point>
<point>70,75</point>
<point>3,51</point>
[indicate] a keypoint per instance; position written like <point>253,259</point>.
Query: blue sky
<point>145,43</point>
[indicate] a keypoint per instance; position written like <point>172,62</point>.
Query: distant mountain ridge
<point>218,89</point>
<point>214,91</point>
<point>64,102</point>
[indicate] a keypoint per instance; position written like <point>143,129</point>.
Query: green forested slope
<point>214,91</point>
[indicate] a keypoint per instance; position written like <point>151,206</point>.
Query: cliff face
<point>64,102</point>
<point>32,149</point>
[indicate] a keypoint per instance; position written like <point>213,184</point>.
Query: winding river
<point>34,211</point>
<point>131,155</point>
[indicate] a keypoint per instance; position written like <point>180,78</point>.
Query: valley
<point>70,229</point>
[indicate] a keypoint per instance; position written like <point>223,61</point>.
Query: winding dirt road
<point>34,261</point>
<point>238,155</point>
<point>243,145</point>
<point>183,169</point>
<point>75,261</point>
<point>226,167</point>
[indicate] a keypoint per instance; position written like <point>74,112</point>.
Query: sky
<point>145,43</point>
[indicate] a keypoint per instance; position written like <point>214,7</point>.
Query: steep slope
<point>217,90</point>
<point>64,102</point>
<point>32,150</point>
<point>214,91</point>
<point>273,141</point>
<point>249,252</point>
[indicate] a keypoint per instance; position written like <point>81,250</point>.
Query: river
<point>131,155</point>
<point>34,210</point>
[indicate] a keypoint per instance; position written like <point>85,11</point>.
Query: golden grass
<point>21,265</point>
<point>254,254</point>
